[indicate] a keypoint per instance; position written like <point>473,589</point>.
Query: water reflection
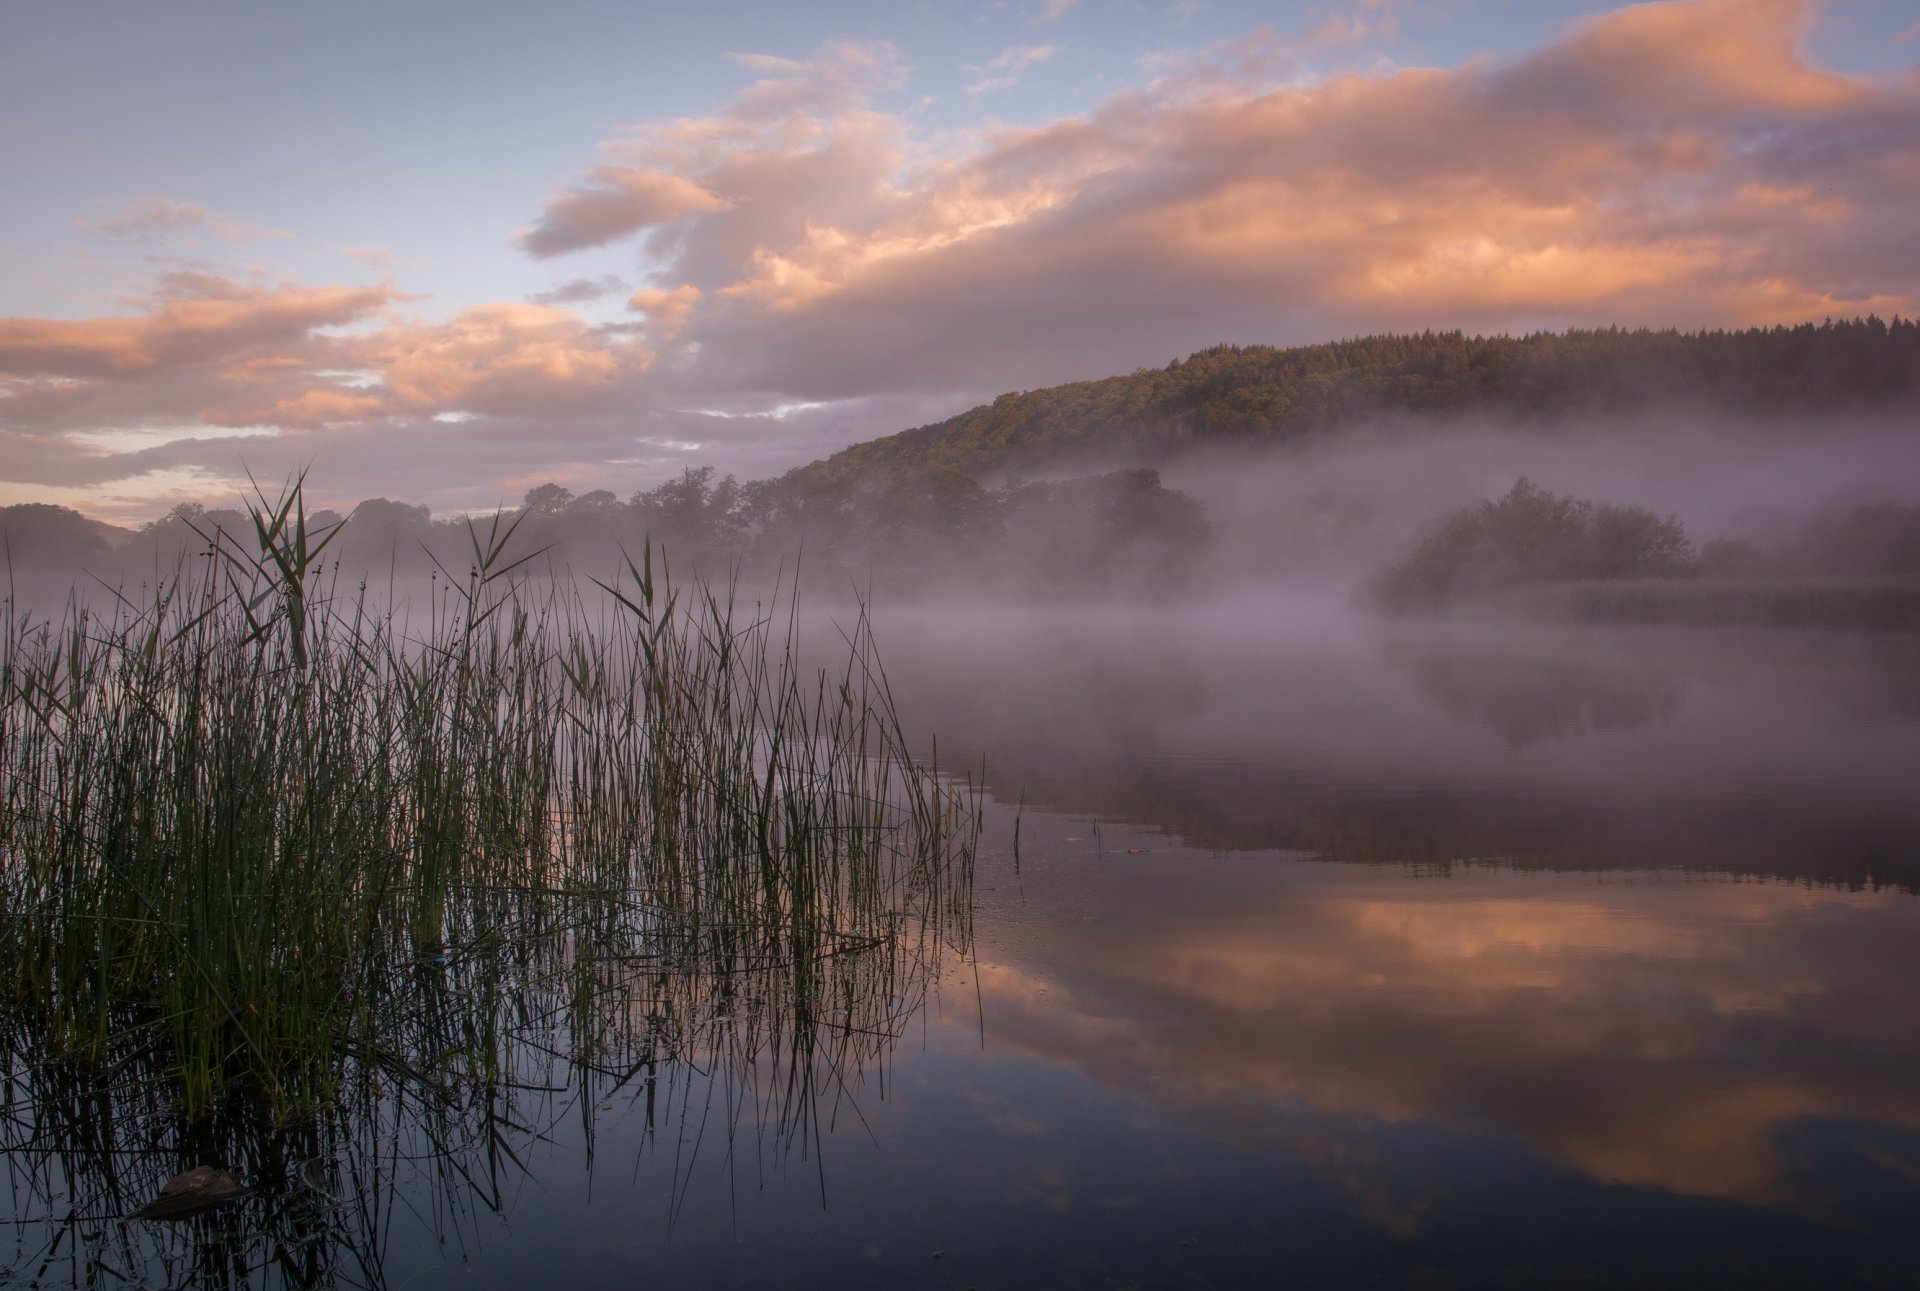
<point>1659,1032</point>
<point>1527,697</point>
<point>722,1050</point>
<point>1765,754</point>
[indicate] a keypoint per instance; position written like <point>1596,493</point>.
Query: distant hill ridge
<point>1256,394</point>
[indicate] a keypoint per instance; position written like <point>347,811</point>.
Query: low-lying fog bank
<point>1298,723</point>
<point>1786,498</point>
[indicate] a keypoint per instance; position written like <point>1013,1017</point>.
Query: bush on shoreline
<point>1533,536</point>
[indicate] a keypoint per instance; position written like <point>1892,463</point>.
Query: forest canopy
<point>1258,395</point>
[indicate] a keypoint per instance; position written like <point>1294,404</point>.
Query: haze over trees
<point>1057,491</point>
<point>1878,540</point>
<point>934,531</point>
<point>1533,536</point>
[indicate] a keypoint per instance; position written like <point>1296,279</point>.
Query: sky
<point>441,252</point>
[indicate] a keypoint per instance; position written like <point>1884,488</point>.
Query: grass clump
<point>246,817</point>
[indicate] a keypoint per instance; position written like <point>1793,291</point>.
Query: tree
<point>547,499</point>
<point>1531,536</point>
<point>38,532</point>
<point>599,504</point>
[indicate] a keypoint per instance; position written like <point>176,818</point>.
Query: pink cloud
<point>666,311</point>
<point>615,202</point>
<point>1666,164</point>
<point>153,218</point>
<point>1003,70</point>
<point>191,319</point>
<point>802,129</point>
<point>506,357</point>
<point>210,353</point>
<point>580,290</point>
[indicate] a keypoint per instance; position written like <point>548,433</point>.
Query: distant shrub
<point>1533,536</point>
<point>1878,540</point>
<point>1737,558</point>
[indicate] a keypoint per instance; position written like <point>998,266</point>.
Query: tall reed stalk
<point>246,815</point>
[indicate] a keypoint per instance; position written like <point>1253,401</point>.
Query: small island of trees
<point>1537,554</point>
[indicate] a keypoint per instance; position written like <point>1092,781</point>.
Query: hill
<point>1234,394</point>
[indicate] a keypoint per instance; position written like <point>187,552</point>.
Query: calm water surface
<point>1332,954</point>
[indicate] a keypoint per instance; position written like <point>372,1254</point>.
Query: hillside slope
<point>1261,394</point>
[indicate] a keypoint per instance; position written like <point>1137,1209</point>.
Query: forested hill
<point>1260,394</point>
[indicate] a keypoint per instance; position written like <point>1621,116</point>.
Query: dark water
<point>1334,954</point>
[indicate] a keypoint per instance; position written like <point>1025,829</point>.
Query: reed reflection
<point>720,1047</point>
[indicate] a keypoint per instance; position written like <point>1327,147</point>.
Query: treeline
<point>1533,536</point>
<point>1539,554</point>
<point>1881,540</point>
<point>1255,394</point>
<point>935,530</point>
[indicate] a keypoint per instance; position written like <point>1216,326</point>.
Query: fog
<point>1314,518</point>
<point>1332,511</point>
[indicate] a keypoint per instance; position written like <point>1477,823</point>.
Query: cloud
<point>615,202</point>
<point>192,319</point>
<point>153,219</point>
<point>671,171</point>
<point>841,75</point>
<point>1677,164</point>
<point>581,290</point>
<point>500,358</point>
<point>667,311</point>
<point>1054,10</point>
<point>1002,71</point>
<point>208,368</point>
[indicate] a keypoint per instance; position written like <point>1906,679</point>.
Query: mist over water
<point>1302,724</point>
<point>1328,513</point>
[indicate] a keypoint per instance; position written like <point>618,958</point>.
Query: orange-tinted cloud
<point>1612,1027</point>
<point>673,171</point>
<point>217,353</point>
<point>154,218</point>
<point>666,311</point>
<point>616,201</point>
<point>191,319</point>
<point>1664,164</point>
<point>522,357</point>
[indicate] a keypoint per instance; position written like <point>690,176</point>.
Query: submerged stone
<point>199,1189</point>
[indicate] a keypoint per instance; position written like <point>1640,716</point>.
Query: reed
<point>247,817</point>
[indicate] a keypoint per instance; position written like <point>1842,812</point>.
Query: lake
<point>1306,950</point>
